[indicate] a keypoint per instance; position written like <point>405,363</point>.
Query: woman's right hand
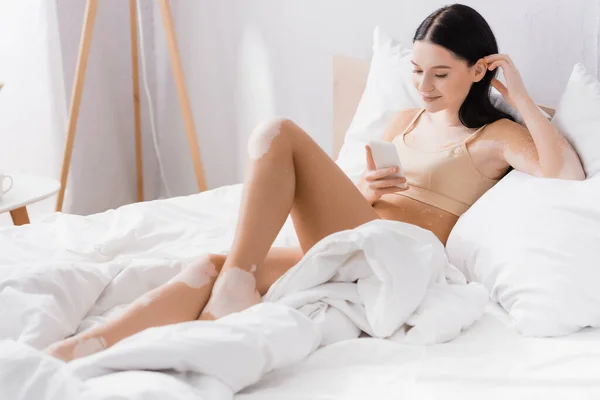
<point>374,182</point>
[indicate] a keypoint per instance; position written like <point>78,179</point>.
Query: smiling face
<point>442,79</point>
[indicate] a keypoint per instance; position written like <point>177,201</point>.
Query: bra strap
<point>412,122</point>
<point>474,135</point>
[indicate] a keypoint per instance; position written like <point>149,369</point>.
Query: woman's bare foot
<point>234,291</point>
<point>75,347</point>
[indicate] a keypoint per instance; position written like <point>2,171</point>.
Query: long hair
<point>465,33</point>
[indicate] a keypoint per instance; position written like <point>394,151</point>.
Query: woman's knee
<point>201,271</point>
<point>217,260</point>
<point>207,262</point>
<point>266,133</point>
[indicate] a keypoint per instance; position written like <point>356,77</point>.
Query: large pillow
<point>389,89</point>
<point>578,117</point>
<point>534,244</point>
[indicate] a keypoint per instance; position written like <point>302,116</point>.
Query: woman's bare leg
<point>179,300</point>
<point>288,173</point>
<point>321,199</point>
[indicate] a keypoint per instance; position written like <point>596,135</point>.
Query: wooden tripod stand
<point>84,50</point>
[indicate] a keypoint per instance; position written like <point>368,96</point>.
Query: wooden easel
<point>84,51</point>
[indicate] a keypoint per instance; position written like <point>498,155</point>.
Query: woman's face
<point>442,79</point>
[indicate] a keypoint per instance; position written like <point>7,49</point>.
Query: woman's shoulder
<point>505,128</point>
<point>400,122</point>
<point>506,123</point>
<point>406,115</point>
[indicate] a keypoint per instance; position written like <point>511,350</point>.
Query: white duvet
<point>70,273</point>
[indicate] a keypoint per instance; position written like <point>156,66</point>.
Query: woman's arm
<point>547,153</point>
<point>375,183</point>
<point>556,157</point>
<point>513,144</point>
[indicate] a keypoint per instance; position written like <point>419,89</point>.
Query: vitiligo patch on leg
<point>85,347</point>
<point>262,136</point>
<point>234,290</point>
<point>146,299</point>
<point>198,274</point>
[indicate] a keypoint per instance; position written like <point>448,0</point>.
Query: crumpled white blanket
<point>380,278</point>
<point>385,278</point>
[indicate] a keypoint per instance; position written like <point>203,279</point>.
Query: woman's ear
<point>479,70</point>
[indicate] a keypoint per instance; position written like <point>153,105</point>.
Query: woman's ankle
<point>76,347</point>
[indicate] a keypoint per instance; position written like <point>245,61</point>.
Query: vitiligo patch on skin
<point>526,160</point>
<point>86,347</point>
<point>146,299</point>
<point>198,274</point>
<point>234,291</point>
<point>431,216</point>
<point>261,138</point>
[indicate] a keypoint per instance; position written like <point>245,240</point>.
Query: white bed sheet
<point>489,361</point>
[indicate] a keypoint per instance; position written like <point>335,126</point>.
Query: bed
<point>125,252</point>
<point>489,360</point>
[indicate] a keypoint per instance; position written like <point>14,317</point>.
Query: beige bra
<point>446,179</point>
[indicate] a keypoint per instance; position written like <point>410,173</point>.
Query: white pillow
<point>535,245</point>
<point>578,117</point>
<point>389,89</point>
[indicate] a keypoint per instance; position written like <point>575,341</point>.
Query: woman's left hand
<point>515,88</point>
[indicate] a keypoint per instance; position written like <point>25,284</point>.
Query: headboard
<point>349,81</point>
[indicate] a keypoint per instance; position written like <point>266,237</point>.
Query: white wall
<point>102,173</point>
<point>243,61</point>
<point>246,60</point>
<point>32,104</point>
<point>207,34</point>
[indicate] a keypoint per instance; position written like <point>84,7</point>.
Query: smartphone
<point>385,155</point>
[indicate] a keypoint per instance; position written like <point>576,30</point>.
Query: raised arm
<point>540,149</point>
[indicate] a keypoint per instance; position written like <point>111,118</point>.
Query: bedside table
<point>26,189</point>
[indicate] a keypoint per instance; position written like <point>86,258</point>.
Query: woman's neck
<point>445,118</point>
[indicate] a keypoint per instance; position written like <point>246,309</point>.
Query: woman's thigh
<point>326,200</point>
<point>278,261</point>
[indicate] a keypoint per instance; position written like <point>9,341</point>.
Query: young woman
<point>453,150</point>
